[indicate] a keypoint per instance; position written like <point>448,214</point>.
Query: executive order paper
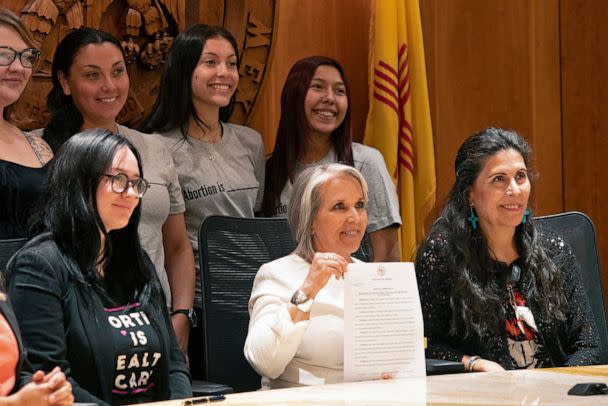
<point>383,330</point>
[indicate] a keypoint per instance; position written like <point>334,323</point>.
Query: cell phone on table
<point>588,389</point>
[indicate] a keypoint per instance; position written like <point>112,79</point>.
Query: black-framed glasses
<point>121,182</point>
<point>28,57</point>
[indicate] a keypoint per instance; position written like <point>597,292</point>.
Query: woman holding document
<point>297,302</point>
<point>496,292</point>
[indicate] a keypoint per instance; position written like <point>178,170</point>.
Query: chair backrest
<point>365,252</point>
<point>231,250</point>
<point>578,231</point>
<point>8,248</point>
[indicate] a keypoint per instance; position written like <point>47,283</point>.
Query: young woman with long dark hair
<point>90,87</point>
<point>314,129</point>
<point>85,292</point>
<point>220,165</point>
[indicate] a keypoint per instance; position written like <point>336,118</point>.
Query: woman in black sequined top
<point>496,292</point>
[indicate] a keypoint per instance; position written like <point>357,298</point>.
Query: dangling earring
<point>525,218</point>
<point>473,219</point>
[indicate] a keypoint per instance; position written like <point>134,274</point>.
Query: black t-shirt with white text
<point>137,354</point>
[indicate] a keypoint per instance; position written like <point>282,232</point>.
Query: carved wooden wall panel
<point>146,29</point>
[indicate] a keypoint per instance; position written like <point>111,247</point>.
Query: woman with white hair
<point>297,302</point>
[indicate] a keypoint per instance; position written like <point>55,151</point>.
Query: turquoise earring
<point>473,219</point>
<point>524,220</point>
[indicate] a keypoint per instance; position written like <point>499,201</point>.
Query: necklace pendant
<point>515,273</point>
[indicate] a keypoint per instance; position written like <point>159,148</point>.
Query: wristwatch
<point>301,301</point>
<point>189,313</point>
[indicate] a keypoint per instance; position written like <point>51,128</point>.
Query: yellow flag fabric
<point>399,119</point>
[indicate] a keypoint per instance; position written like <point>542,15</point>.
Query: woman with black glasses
<point>85,293</point>
<point>22,155</point>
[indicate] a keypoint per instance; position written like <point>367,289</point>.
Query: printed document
<point>383,330</point>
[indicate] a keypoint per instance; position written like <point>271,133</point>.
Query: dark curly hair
<point>477,297</point>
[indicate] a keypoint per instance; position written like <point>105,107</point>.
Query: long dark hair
<point>68,210</point>
<point>294,128</point>
<point>477,297</point>
<point>173,107</point>
<point>66,120</point>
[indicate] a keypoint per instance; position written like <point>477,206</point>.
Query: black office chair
<point>231,250</point>
<point>578,231</point>
<point>8,248</point>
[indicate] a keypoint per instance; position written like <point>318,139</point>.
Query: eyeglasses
<point>121,182</point>
<point>28,57</point>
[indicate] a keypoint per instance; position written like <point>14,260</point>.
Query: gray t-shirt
<point>162,199</point>
<point>226,178</point>
<point>382,206</point>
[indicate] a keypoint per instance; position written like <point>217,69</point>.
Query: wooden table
<point>527,387</point>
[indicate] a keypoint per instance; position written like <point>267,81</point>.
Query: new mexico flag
<point>399,120</point>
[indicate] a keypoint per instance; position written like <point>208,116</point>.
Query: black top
<point>59,318</point>
<point>137,353</point>
<point>20,188</point>
<point>571,342</point>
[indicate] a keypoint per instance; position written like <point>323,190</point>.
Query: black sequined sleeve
<point>581,337</point>
<point>434,286</point>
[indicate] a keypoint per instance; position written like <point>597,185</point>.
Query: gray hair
<point>305,201</point>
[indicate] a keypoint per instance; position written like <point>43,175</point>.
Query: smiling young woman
<point>90,87</point>
<point>98,82</point>
<point>220,165</point>
<point>86,294</point>
<point>314,129</point>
